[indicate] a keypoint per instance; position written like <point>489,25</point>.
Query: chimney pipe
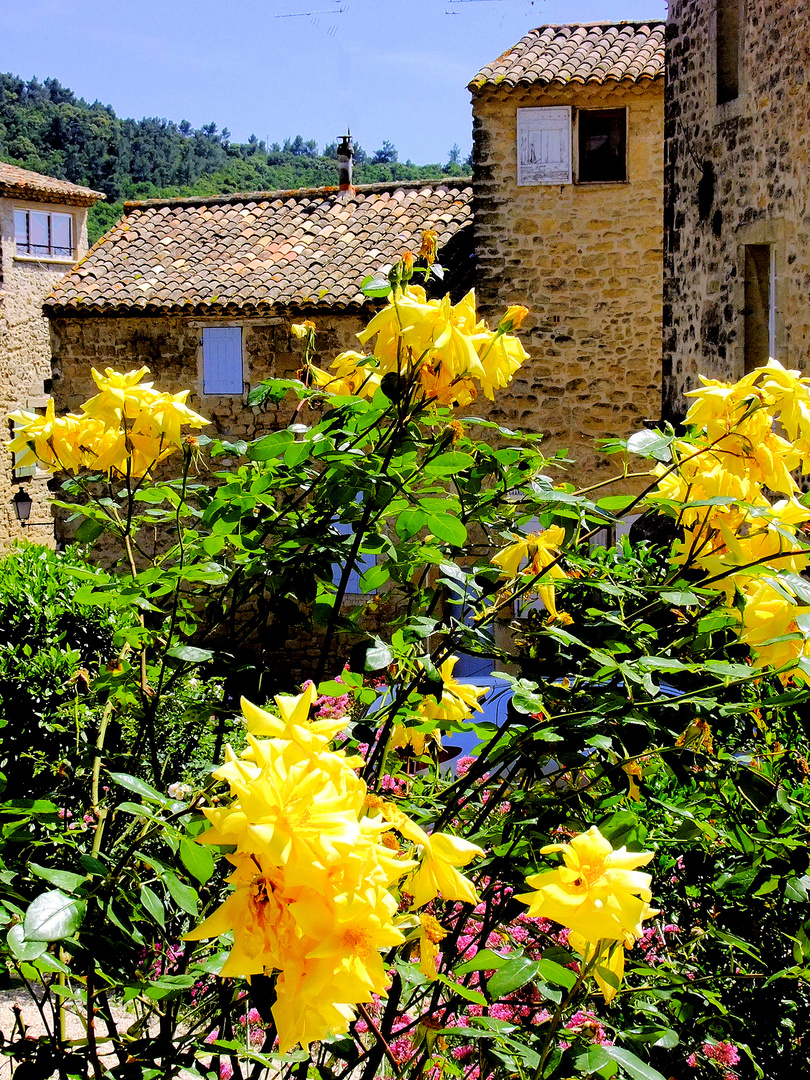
<point>344,151</point>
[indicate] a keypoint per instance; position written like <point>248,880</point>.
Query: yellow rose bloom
<point>598,892</point>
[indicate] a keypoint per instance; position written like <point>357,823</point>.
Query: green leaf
<point>151,902</point>
<point>197,859</point>
<point>93,866</point>
<point>139,787</point>
<point>62,879</point>
<point>21,947</point>
<point>89,531</point>
<point>53,916</point>
<point>374,577</point>
<point>591,1060</point>
<point>512,976</point>
<point>796,889</point>
<point>485,960</point>
<point>465,992</point>
<point>652,444</point>
<point>448,528</point>
<point>375,286</point>
<point>409,522</point>
<point>552,972</point>
<point>168,986</point>
<point>378,656</point>
<point>190,654</point>
<point>614,502</point>
<point>183,895</point>
<point>449,464</point>
<point>680,598</point>
<point>637,1068</point>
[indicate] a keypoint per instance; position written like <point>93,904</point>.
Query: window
<point>544,145</point>
<point>759,312</point>
<point>222,360</point>
<point>602,145</point>
<point>727,57</point>
<point>19,472</point>
<point>39,232</point>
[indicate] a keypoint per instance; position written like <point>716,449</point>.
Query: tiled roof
<point>259,251</point>
<point>17,183</point>
<point>586,53</point>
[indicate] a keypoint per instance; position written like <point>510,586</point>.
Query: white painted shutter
<point>544,145</point>
<point>222,360</point>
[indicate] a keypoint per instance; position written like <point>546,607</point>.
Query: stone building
<point>567,207</point>
<point>43,232</point>
<point>204,290</point>
<point>737,222</point>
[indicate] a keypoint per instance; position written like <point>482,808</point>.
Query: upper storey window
<point>44,234</point>
<point>602,145</point>
<point>546,144</point>
<point>727,30</point>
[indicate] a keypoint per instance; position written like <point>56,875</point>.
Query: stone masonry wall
<point>25,358</point>
<point>587,261</point>
<point>171,348</point>
<point>736,174</point>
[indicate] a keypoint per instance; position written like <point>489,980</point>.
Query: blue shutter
<point>363,562</point>
<point>222,360</point>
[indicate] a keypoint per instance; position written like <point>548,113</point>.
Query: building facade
<point>204,291</point>
<point>737,223</point>
<point>43,233</point>
<point>567,206</point>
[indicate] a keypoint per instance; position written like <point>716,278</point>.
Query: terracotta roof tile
<point>17,183</point>
<point>286,250</point>
<point>584,53</point>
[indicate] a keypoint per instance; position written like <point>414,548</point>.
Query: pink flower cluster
<point>653,945</point>
<point>160,959</point>
<point>255,1027</point>
<point>725,1054</point>
<point>332,708</point>
<point>586,1023</point>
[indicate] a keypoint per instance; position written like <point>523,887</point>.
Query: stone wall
<point>587,260</point>
<point>736,175</point>
<point>171,347</point>
<point>25,357</point>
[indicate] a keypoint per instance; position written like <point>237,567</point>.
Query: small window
<point>759,327</point>
<point>544,145</point>
<point>728,50</point>
<point>41,233</point>
<point>19,472</point>
<point>222,360</point>
<point>602,145</point>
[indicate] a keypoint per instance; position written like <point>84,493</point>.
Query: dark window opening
<point>728,50</point>
<point>602,145</point>
<point>758,313</point>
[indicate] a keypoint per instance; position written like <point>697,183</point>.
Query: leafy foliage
<point>358,543</point>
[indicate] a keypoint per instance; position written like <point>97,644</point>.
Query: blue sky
<point>389,69</point>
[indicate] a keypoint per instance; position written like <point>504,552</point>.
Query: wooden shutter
<point>222,360</point>
<point>544,145</point>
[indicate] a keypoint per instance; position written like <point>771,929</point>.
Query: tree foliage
<point>46,128</point>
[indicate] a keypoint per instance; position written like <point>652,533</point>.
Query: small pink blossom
<point>723,1053</point>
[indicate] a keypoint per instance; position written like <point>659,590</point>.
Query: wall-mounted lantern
<point>22,506</point>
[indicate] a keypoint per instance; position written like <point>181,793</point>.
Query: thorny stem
<point>379,1037</point>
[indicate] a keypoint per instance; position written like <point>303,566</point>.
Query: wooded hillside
<point>45,127</point>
